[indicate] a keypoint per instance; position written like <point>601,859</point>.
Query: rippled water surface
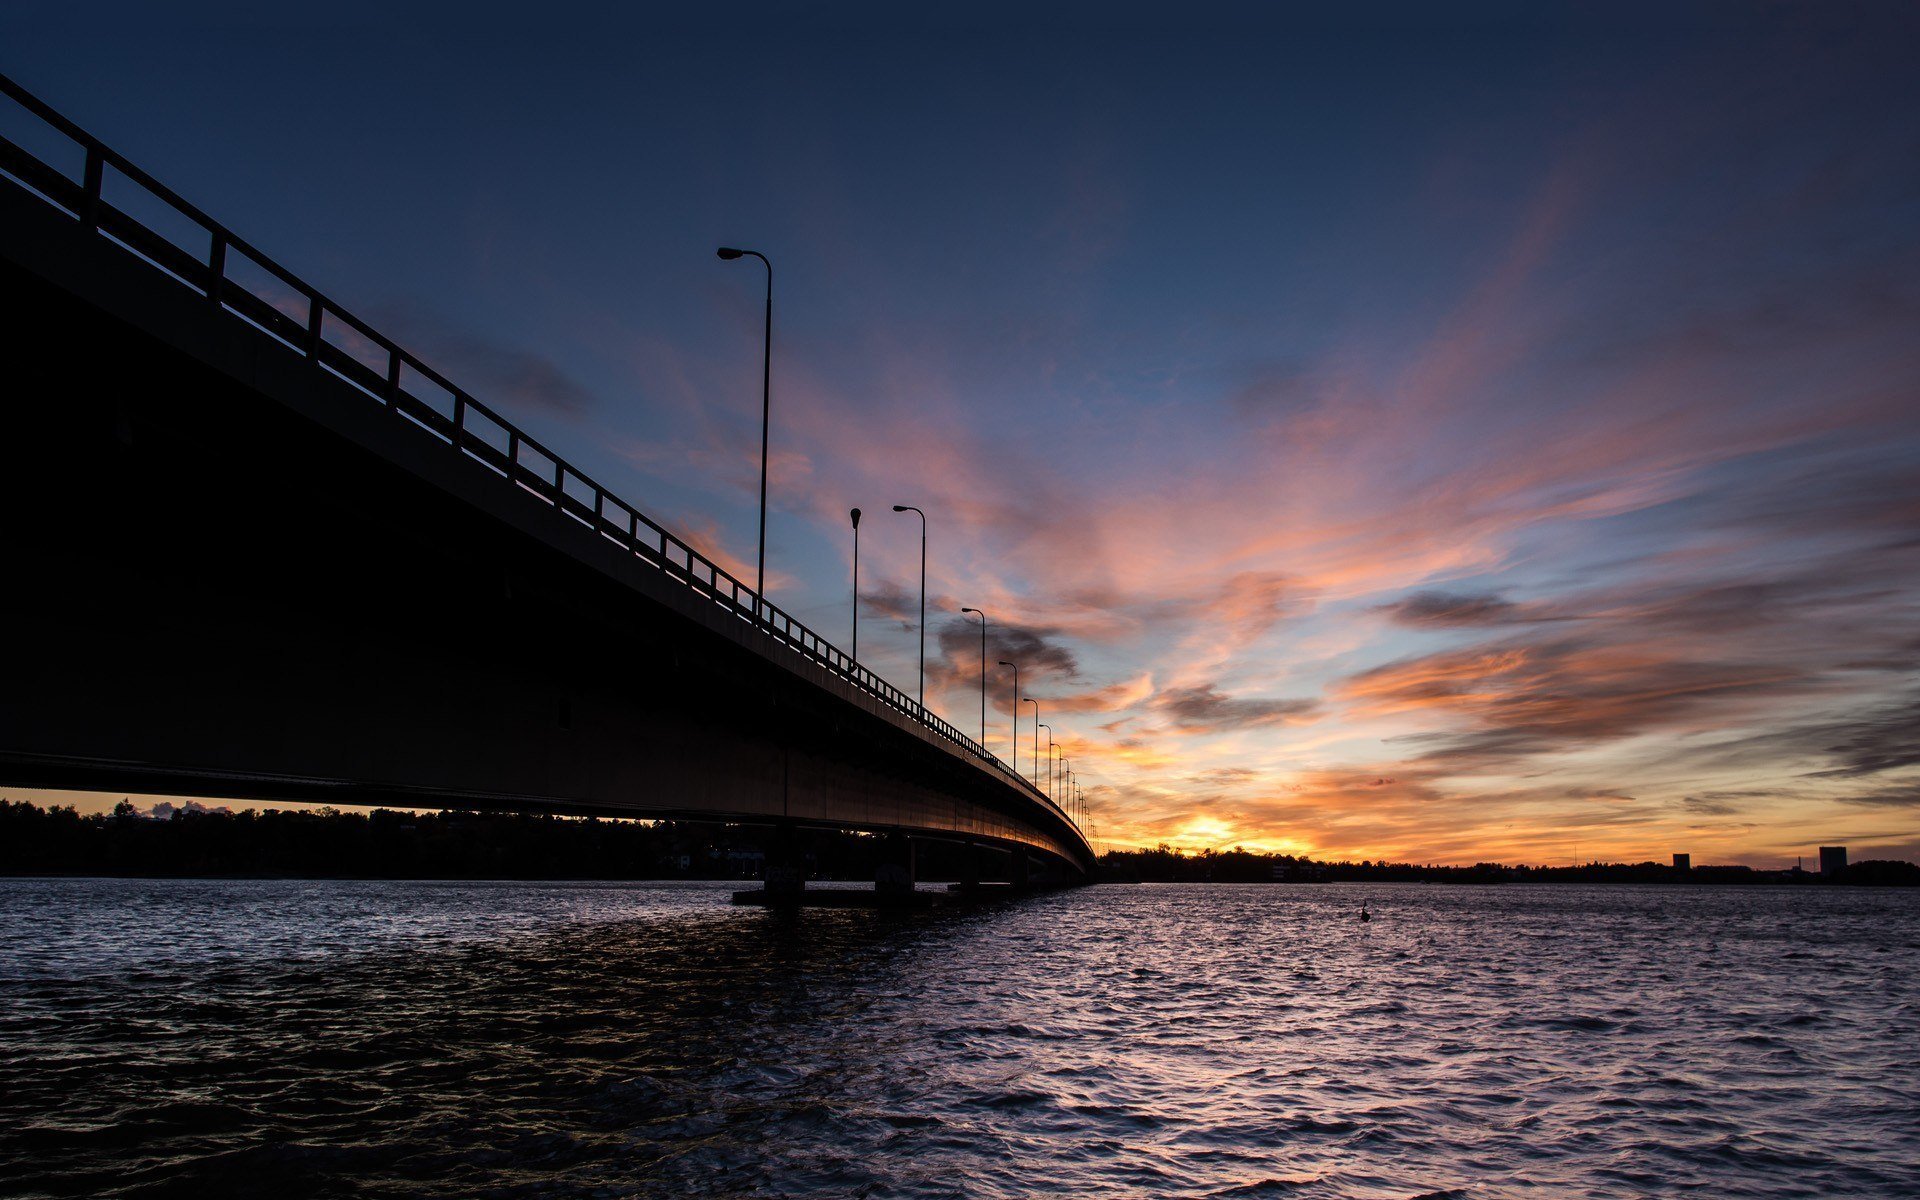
<point>296,1039</point>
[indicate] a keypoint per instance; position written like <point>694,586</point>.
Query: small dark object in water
<point>1364,914</point>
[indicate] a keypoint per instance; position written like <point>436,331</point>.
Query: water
<point>425,1039</point>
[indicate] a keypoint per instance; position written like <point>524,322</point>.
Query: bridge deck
<point>279,557</point>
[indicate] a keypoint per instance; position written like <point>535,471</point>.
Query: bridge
<point>256,549</point>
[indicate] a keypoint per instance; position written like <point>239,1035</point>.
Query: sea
<point>287,1039</point>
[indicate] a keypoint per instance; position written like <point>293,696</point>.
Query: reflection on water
<point>382,1039</point>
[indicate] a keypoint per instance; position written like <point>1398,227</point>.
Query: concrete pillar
<point>785,869</point>
<point>1020,877</point>
<point>970,866</point>
<point>894,875</point>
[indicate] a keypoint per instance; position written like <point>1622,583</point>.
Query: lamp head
<point>1005,663</point>
<point>900,508</point>
<point>855,514</point>
<point>729,253</point>
<point>976,612</point>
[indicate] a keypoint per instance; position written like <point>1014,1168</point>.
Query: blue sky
<point>1388,436</point>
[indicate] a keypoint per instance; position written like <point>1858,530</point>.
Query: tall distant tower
<point>1833,859</point>
<point>1682,862</point>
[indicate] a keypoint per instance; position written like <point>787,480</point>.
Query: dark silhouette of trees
<point>1164,864</point>
<point>384,844</point>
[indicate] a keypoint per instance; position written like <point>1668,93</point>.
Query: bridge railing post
<point>91,183</point>
<point>314,310</point>
<point>216,269</point>
<point>393,376</point>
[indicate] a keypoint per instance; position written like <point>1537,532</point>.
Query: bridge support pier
<point>894,875</point>
<point>1021,880</point>
<point>784,875</point>
<point>970,866</point>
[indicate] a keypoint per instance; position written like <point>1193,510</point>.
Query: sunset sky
<point>1491,439</point>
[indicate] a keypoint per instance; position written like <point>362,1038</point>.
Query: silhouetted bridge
<point>255,549</point>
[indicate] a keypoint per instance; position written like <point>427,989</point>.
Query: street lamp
<point>1016,713</point>
<point>1037,727</point>
<point>983,673</point>
<point>1036,738</point>
<point>728,253</point>
<point>855,514</point>
<point>923,600</point>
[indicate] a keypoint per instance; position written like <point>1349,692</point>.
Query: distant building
<point>1683,862</point>
<point>1833,859</point>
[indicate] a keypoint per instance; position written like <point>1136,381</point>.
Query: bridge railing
<point>298,315</point>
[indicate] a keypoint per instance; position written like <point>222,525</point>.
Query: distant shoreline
<point>457,846</point>
<point>1812,882</point>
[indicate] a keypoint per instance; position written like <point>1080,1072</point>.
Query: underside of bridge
<point>227,572</point>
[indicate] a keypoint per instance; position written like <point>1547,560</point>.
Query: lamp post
<point>923,599</point>
<point>728,253</point>
<point>855,514</point>
<point>1037,727</point>
<point>983,673</point>
<point>1036,738</point>
<point>1016,713</point>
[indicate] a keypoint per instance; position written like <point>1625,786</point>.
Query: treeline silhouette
<point>384,844</point>
<point>194,840</point>
<point>1164,864</point>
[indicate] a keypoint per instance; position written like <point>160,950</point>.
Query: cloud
<point>1881,739</point>
<point>891,602</point>
<point>1905,796</point>
<point>493,372</point>
<point>1522,699</point>
<point>1040,653</point>
<point>1710,805</point>
<point>1114,697</point>
<point>1242,609</point>
<point>1204,709</point>
<point>706,540</point>
<point>1446,609</point>
<point>1220,776</point>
